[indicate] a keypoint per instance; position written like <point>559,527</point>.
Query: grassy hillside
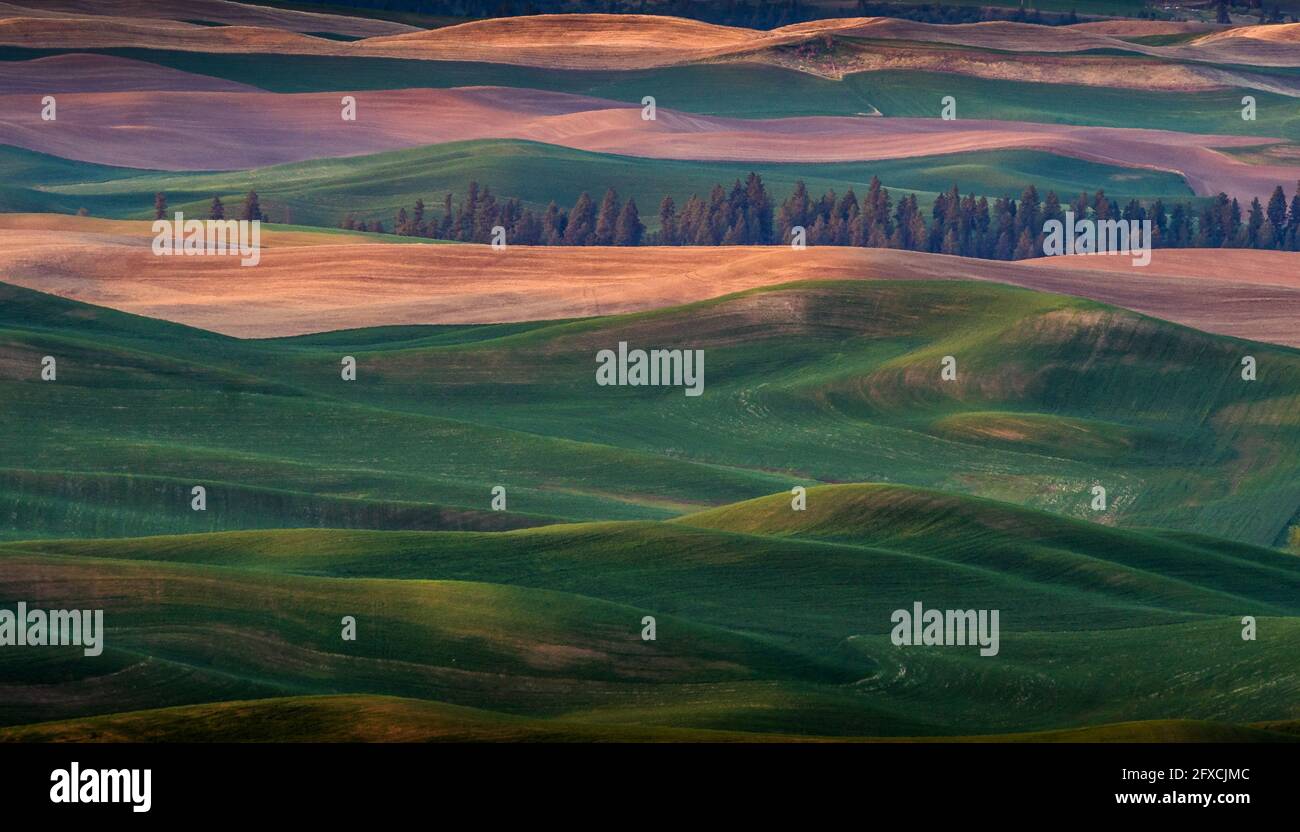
<point>345,718</point>
<point>51,502</point>
<point>1057,396</point>
<point>908,93</point>
<point>781,628</point>
<point>322,192</point>
<point>1060,573</point>
<point>1119,624</point>
<point>371,501</point>
<point>805,384</point>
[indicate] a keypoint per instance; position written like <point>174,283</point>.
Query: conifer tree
<point>667,222</point>
<point>417,219</point>
<point>1025,247</point>
<point>252,208</point>
<point>607,219</point>
<point>581,228</point>
<point>628,229</point>
<point>553,222</point>
<point>1277,218</point>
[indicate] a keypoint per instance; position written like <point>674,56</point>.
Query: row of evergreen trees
<point>252,209</point>
<point>612,223</point>
<point>960,224</point>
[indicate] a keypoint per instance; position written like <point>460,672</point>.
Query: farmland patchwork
<point>354,387</point>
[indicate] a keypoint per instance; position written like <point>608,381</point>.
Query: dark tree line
<point>753,14</point>
<point>745,214</point>
<point>1266,14</point>
<point>612,222</point>
<point>252,209</point>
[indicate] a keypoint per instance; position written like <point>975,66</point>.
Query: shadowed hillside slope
<point>773,621</point>
<point>389,719</point>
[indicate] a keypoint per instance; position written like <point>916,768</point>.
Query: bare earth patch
<point>316,283</point>
<point>103,73</point>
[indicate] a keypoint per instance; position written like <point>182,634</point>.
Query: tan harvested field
<point>300,288</point>
<point>592,41</point>
<point>103,73</point>
<point>623,42</point>
<point>1144,28</point>
<point>1093,71</point>
<point>1285,33</point>
<point>102,33</point>
<point>143,33</point>
<point>1004,35</point>
<point>1273,45</point>
<point>609,41</point>
<point>632,41</point>
<point>1256,268</point>
<point>194,131</point>
<point>214,11</point>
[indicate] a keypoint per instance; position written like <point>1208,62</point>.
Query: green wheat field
<point>371,499</point>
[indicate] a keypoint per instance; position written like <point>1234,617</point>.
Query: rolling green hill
<point>909,93</point>
<point>321,192</point>
<point>773,621</point>
<point>1063,573</point>
<point>629,509</point>
<point>805,384</point>
<point>344,718</point>
<point>476,624</point>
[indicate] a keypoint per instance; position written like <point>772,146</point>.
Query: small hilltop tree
<point>252,208</point>
<point>217,211</point>
<point>417,219</point>
<point>160,206</point>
